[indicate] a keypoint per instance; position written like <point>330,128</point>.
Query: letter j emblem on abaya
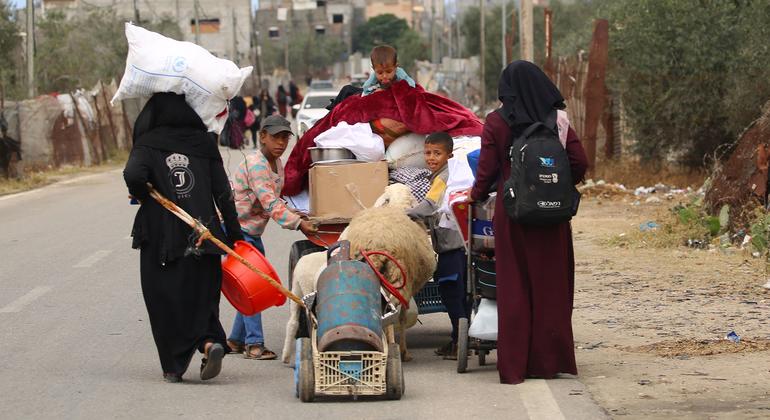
<point>180,176</point>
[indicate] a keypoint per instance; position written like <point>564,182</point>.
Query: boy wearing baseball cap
<point>257,189</point>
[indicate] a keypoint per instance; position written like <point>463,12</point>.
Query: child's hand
<point>307,227</point>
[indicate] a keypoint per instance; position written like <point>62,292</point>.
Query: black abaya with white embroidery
<point>181,284</point>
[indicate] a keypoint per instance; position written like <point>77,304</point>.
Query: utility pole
<point>177,11</point>
<point>525,31</point>
<point>286,40</point>
<point>483,12</point>
<point>197,23</point>
<point>502,51</point>
<point>235,39</point>
<point>30,49</point>
<point>136,13</point>
<point>433,34</point>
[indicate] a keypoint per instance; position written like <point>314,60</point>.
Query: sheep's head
<point>396,196</point>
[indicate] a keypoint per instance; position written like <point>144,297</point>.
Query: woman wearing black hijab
<point>180,282</point>
<point>535,264</point>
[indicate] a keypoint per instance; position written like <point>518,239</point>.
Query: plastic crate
<point>350,372</point>
<point>429,299</point>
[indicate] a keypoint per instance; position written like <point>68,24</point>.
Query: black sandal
<point>172,378</point>
<point>211,365</point>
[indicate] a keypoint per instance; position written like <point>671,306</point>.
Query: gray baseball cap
<point>275,124</point>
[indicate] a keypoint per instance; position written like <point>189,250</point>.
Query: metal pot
<point>320,154</point>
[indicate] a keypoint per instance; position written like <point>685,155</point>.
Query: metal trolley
<point>350,372</point>
<point>481,278</point>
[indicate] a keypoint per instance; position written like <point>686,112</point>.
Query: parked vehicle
<point>312,109</point>
<point>318,84</point>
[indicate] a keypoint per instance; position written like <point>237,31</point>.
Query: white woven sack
<point>407,150</point>
<point>484,325</point>
<point>159,64</point>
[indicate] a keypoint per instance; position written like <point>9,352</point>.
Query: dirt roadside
<point>649,324</point>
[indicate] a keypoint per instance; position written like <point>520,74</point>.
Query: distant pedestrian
<point>235,126</point>
<point>296,98</point>
<point>263,107</point>
<point>180,282</point>
<point>535,265</point>
<point>283,99</point>
<point>10,152</point>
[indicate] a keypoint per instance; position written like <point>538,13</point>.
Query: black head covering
<point>527,94</point>
<point>345,92</point>
<point>168,123</point>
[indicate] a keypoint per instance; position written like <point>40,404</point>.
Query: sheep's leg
<point>405,356</point>
<point>291,326</point>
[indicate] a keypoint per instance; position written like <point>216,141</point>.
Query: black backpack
<point>540,190</point>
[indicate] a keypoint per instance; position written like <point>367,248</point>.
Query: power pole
<point>483,12</point>
<point>197,23</point>
<point>286,41</point>
<point>136,13</point>
<point>525,31</point>
<point>235,39</point>
<point>502,21</point>
<point>433,40</point>
<point>30,49</point>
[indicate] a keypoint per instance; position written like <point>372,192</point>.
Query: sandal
<point>211,365</point>
<point>258,352</point>
<point>444,350</point>
<point>172,377</point>
<point>235,346</point>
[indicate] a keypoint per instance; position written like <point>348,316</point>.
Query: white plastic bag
<point>484,325</point>
<point>407,150</point>
<point>159,64</point>
<point>358,138</point>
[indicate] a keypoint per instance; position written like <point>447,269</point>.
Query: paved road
<point>75,340</point>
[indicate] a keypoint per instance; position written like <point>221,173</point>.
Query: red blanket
<point>422,112</point>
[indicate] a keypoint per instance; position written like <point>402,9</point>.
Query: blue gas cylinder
<point>349,306</point>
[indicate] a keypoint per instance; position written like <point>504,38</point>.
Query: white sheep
<point>373,230</point>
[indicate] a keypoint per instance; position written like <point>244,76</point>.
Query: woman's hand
<point>307,227</point>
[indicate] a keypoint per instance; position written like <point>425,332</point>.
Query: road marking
<point>92,259</point>
<point>25,300</point>
<point>537,398</point>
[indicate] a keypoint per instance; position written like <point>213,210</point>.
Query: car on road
<point>321,84</point>
<point>313,108</point>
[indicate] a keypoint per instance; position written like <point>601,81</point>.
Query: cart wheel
<point>482,357</point>
<point>394,374</point>
<point>298,250</point>
<point>462,345</point>
<point>305,372</point>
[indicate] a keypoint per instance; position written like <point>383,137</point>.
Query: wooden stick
<point>204,233</point>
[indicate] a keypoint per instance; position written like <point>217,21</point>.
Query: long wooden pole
<point>204,233</point>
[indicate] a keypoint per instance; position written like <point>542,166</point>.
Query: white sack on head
<point>159,64</point>
<point>358,138</point>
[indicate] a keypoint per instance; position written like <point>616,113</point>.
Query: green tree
<point>391,30</point>
<point>381,29</point>
<point>310,53</point>
<point>691,73</point>
<point>78,52</point>
<point>9,45</point>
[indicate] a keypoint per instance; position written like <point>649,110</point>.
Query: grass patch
<point>681,225</point>
<point>634,174</point>
<point>40,178</point>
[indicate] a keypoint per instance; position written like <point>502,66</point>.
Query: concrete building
<point>336,18</point>
<point>223,25</point>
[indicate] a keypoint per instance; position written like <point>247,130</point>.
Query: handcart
<point>349,348</point>
<point>475,223</point>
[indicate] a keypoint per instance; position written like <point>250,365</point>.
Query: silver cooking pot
<point>322,154</point>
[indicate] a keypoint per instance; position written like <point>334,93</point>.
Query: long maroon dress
<point>535,271</point>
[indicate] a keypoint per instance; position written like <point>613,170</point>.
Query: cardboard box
<point>341,191</point>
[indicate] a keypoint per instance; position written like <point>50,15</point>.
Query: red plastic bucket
<point>247,291</point>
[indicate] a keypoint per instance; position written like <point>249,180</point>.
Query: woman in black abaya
<point>180,282</point>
